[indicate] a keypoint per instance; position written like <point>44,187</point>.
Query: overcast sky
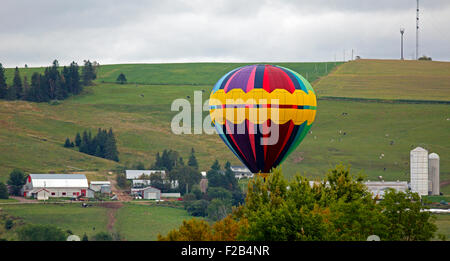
<point>36,32</point>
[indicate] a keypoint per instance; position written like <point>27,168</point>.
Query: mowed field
<point>388,79</point>
<point>131,222</point>
<point>348,132</point>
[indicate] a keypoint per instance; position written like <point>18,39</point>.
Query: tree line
<point>54,84</point>
<point>339,208</point>
<point>102,145</point>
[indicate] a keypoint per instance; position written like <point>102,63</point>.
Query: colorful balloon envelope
<point>262,113</point>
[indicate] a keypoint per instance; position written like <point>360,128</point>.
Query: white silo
<point>433,172</point>
<point>419,171</point>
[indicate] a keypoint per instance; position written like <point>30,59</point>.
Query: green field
<point>132,221</point>
<point>181,73</point>
<point>143,223</point>
<point>388,79</point>
<point>79,220</point>
<point>443,224</point>
<point>32,134</point>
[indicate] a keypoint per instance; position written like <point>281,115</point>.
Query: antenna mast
<point>417,31</point>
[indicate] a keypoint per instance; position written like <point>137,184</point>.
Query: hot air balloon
<point>248,101</point>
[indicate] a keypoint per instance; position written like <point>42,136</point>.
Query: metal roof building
<point>58,185</point>
<point>378,188</point>
<point>58,180</point>
<point>135,174</point>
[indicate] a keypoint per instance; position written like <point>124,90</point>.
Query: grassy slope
<point>140,222</point>
<point>388,79</point>
<point>65,216</point>
<point>443,224</point>
<point>31,134</point>
<point>140,116</point>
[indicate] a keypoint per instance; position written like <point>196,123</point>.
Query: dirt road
<point>121,195</point>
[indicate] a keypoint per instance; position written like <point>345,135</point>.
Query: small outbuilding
<point>40,194</point>
<point>147,193</point>
<point>98,185</point>
<point>151,193</point>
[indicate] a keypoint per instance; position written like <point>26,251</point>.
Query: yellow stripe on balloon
<point>260,96</point>
<point>261,115</point>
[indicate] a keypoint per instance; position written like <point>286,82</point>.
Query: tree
<point>111,152</point>
<point>88,73</point>
<point>157,181</point>
<point>425,58</point>
<point>17,83</point>
<point>3,191</point>
<point>193,160</point>
<point>230,181</point>
<point>199,230</point>
<point>191,230</point>
<point>74,79</point>
<point>11,93</point>
<point>9,224</point>
<point>338,208</point>
<point>121,78</point>
<point>33,232</point>
<point>218,209</point>
<point>3,86</point>
<point>26,89</point>
<point>122,181</point>
<point>405,219</point>
<point>67,144</point>
<point>85,237</point>
<point>197,208</point>
<point>77,139</point>
<point>219,193</point>
<point>17,179</point>
<point>186,176</point>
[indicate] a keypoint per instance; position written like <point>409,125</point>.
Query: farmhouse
<point>138,182</point>
<point>378,188</point>
<point>241,172</point>
<point>136,174</point>
<point>42,186</point>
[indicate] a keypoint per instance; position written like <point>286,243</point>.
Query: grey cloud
<point>36,32</point>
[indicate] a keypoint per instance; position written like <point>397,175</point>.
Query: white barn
<point>55,185</point>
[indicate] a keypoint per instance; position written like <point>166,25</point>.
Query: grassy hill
<point>132,221</point>
<point>32,134</point>
<point>388,79</point>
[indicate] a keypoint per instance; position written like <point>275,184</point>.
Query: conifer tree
<point>77,140</point>
<point>110,147</point>
<point>67,143</point>
<point>3,86</point>
<point>193,160</point>
<point>17,83</point>
<point>26,89</point>
<point>121,78</point>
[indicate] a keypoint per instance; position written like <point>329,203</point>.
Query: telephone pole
<point>402,31</point>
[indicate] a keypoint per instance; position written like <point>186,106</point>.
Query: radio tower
<point>417,32</point>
